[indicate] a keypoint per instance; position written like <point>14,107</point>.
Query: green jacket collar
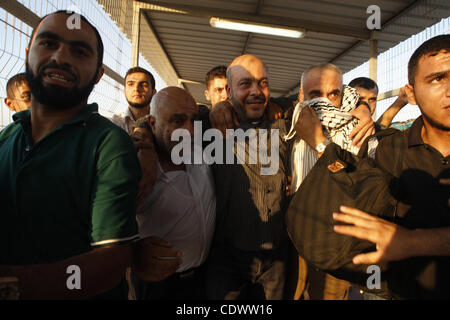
<point>83,116</point>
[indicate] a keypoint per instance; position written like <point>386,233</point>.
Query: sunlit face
<point>62,64</point>
<point>21,100</point>
<point>138,89</point>
<point>368,96</point>
<point>216,91</point>
<point>249,90</point>
<point>431,90</point>
<point>325,83</point>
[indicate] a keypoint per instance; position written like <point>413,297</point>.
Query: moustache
<point>54,65</point>
<point>256,100</point>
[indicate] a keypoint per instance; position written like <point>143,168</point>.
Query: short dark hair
<point>363,82</point>
<point>141,70</point>
<point>100,48</point>
<point>429,47</point>
<point>216,72</point>
<point>13,82</point>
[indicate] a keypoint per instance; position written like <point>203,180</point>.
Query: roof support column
<point>135,34</point>
<point>373,60</point>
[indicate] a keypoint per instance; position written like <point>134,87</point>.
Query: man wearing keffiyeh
<point>317,81</point>
<point>322,93</point>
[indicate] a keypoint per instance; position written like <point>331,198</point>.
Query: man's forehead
<point>182,109</point>
<point>138,76</point>
<point>319,77</point>
<point>22,86</point>
<point>326,73</point>
<point>248,68</point>
<point>366,92</point>
<point>219,81</point>
<point>175,102</point>
<point>58,24</point>
<point>433,60</point>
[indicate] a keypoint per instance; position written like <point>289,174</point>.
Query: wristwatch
<point>320,148</point>
<point>144,125</point>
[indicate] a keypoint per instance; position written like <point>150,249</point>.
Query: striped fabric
<point>337,125</point>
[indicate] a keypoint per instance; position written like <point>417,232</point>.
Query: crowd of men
<point>108,197</point>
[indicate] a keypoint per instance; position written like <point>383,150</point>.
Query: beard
<point>139,105</point>
<point>56,97</point>
<point>434,123</point>
<point>240,109</point>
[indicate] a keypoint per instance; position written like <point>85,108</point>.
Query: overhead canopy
<point>177,40</point>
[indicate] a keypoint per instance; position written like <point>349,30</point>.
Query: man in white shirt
<point>181,207</point>
<point>139,90</point>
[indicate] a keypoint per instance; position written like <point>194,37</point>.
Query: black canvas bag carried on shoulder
<point>338,178</point>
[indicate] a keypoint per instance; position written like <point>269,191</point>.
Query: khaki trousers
<point>317,285</point>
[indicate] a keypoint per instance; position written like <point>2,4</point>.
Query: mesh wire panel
<point>392,71</point>
<point>14,35</point>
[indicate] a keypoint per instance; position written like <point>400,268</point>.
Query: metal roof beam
<point>159,42</point>
<point>249,35</point>
<point>387,23</point>
<point>205,12</point>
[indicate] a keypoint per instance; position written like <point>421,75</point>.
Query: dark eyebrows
<point>336,91</point>
<point>54,36</point>
<point>314,92</point>
<point>436,74</point>
<point>251,79</point>
<point>178,116</point>
<point>245,79</point>
<point>131,81</point>
<point>183,116</point>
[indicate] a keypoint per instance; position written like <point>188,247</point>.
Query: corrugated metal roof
<point>183,45</point>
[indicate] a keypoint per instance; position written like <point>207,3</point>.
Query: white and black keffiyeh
<point>337,124</point>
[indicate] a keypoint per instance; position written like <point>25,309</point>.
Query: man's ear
<point>409,90</point>
<point>101,71</point>
<point>229,94</point>
<point>301,97</point>
<point>206,92</point>
<point>152,123</point>
<point>10,104</point>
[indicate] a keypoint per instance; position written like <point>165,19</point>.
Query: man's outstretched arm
<point>386,118</point>
<point>100,270</point>
<point>393,241</point>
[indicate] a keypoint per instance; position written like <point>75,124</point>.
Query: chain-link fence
<point>392,70</point>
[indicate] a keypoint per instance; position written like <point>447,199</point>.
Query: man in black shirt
<point>417,245</point>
